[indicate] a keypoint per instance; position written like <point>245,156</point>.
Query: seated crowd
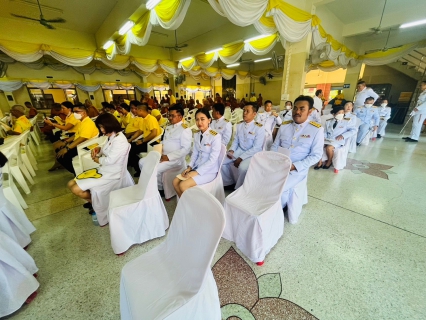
<point>118,136</point>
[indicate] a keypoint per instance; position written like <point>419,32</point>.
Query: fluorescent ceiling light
<point>265,59</point>
<point>257,38</point>
<point>412,24</point>
<point>108,44</point>
<point>152,3</point>
<point>233,65</point>
<point>215,50</point>
<point>185,59</point>
<point>126,27</point>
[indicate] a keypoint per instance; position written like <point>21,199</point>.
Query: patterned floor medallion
<point>373,169</point>
<point>243,296</point>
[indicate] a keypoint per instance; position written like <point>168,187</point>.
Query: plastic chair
<point>215,187</point>
<point>83,161</point>
<point>168,176</point>
<point>137,214</point>
<point>254,216</point>
<point>17,167</point>
<point>298,197</point>
<point>174,280</point>
<point>101,195</point>
<point>150,146</point>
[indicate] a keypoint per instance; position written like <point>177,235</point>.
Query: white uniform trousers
<point>382,127</point>
<point>163,167</point>
<point>364,128</point>
<point>230,174</point>
<point>292,180</point>
<point>418,120</point>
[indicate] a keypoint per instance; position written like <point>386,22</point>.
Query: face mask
<point>77,116</point>
<point>288,107</point>
<point>383,105</point>
<point>339,116</point>
<point>368,105</point>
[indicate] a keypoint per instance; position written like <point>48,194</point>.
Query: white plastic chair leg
<point>27,164</point>
<point>19,178</point>
<point>31,157</point>
<point>34,137</point>
<point>18,196</point>
<point>11,196</point>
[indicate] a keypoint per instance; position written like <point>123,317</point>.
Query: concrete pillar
<point>351,78</point>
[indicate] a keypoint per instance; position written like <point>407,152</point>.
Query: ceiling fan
<point>379,30</point>
<point>176,46</point>
<point>385,48</point>
<point>42,20</point>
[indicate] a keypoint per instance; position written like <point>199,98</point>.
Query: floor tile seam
<point>366,216</point>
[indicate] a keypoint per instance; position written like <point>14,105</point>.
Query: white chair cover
<point>174,280</point>
<point>339,157</point>
<point>352,140</point>
<point>137,213</point>
<point>83,161</point>
<point>13,220</point>
<point>298,197</point>
<point>101,195</point>
<point>168,177</point>
<point>17,282</point>
<point>254,216</point>
<point>215,187</point>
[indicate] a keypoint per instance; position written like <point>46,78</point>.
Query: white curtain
<point>243,12</point>
<point>41,85</point>
<point>289,29</point>
<point>249,47</point>
<point>145,68</point>
<point>168,69</point>
<point>11,85</point>
<point>75,62</point>
<point>231,59</point>
<point>177,19</point>
<point>88,88</point>
<point>64,85</point>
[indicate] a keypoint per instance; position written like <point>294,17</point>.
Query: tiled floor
<point>358,252</point>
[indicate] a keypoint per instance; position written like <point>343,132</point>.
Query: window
<point>44,99</point>
<point>115,95</point>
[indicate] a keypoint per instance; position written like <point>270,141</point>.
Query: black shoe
<point>137,174</point>
<point>88,205</point>
<point>358,144</point>
<point>326,167</point>
<point>405,138</point>
<point>411,140</point>
<point>378,136</point>
<point>230,187</point>
<point>161,193</point>
<point>317,168</point>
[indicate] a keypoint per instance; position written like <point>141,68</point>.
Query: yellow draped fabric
<point>292,12</point>
<point>166,9</point>
<point>140,27</point>
<point>264,43</point>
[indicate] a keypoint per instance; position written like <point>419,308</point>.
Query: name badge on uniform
<point>341,127</point>
<point>305,136</point>
<point>220,128</point>
<point>251,132</point>
<point>207,145</point>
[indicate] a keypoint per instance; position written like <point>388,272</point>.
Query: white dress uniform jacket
<point>369,118</point>
<point>419,116</point>
<point>112,158</point>
<point>224,127</point>
<point>269,121</point>
<point>362,95</point>
<point>286,115</point>
<point>385,114</point>
<point>318,104</point>
<point>305,142</point>
<point>176,140</point>
<point>315,116</point>
<point>249,140</point>
<point>344,127</point>
<point>205,153</point>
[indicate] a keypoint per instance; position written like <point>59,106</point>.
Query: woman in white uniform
<point>349,106</point>
<point>287,113</point>
<point>112,158</point>
<point>204,166</point>
<point>13,221</point>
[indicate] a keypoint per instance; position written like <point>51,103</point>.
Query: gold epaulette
<point>213,133</point>
<point>184,126</point>
<point>258,124</point>
<point>330,119</point>
<point>287,122</point>
<point>226,120</point>
<point>240,122</point>
<point>347,119</point>
<point>315,124</point>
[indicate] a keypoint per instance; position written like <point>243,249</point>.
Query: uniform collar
<point>176,125</point>
<point>247,124</point>
<point>220,119</point>
<point>302,125</point>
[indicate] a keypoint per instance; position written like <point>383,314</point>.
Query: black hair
<point>56,106</point>
<point>204,111</point>
<point>143,106</point>
<point>219,107</point>
<point>178,108</point>
<point>125,106</point>
<point>3,160</point>
<point>81,106</point>
<point>309,99</point>
<point>107,105</point>
<point>337,109</point>
<point>255,107</point>
<point>318,92</point>
<point>361,82</point>
<point>424,81</point>
<point>290,102</point>
<point>268,101</point>
<point>135,103</point>
<point>67,105</point>
<point>369,98</point>
<point>109,122</point>
<point>27,102</point>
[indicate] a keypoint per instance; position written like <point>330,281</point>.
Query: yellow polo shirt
<point>22,124</point>
<point>87,129</point>
<point>172,100</point>
<point>134,125</point>
<point>126,120</point>
<point>150,123</point>
<point>71,119</point>
<point>117,115</point>
<point>155,113</point>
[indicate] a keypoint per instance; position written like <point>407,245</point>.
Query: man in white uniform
<point>220,124</point>
<point>370,119</point>
<point>419,115</point>
<point>304,139</point>
<point>176,142</point>
<point>248,140</point>
<point>385,114</point>
<point>363,93</point>
<point>318,101</point>
<point>268,119</point>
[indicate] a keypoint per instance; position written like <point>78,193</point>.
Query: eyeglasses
<point>173,115</point>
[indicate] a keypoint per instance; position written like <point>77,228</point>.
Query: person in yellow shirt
<point>150,129</point>
<point>172,98</point>
<point>22,123</point>
<point>68,148</point>
<point>125,114</point>
<point>71,125</point>
<point>134,128</point>
<point>157,115</point>
<point>253,97</point>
